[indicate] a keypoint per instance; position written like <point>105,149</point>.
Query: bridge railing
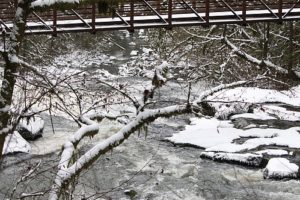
<point>132,14</point>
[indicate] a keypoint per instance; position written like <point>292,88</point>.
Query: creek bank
<point>260,126</point>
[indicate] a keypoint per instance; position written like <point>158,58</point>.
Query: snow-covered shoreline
<point>266,132</point>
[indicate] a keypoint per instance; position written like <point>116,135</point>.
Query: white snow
<point>41,3</point>
<point>256,115</point>
<point>205,133</point>
<point>216,135</point>
<point>15,143</point>
<point>280,168</point>
<point>134,53</point>
<point>245,158</point>
<point>273,152</point>
<point>282,113</point>
<point>256,95</point>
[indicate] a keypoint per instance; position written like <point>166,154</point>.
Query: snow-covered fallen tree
<point>69,170</point>
<point>248,159</point>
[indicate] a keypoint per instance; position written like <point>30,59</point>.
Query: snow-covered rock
<point>134,53</point>
<point>273,152</point>
<point>14,143</point>
<point>248,159</point>
<point>132,44</point>
<point>278,168</point>
<point>243,98</point>
<point>225,111</point>
<point>31,129</point>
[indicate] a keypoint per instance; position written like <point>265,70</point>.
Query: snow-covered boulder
<point>279,168</point>
<point>31,129</point>
<point>274,152</point>
<point>224,110</point>
<point>134,53</point>
<point>248,159</point>
<point>14,143</point>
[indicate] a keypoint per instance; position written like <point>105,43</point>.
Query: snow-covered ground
<point>223,141</point>
<point>216,135</point>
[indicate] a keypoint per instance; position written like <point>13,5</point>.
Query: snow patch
<point>273,152</point>
<point>280,168</point>
<point>134,53</point>
<point>249,159</point>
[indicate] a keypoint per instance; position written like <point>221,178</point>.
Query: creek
<point>143,167</point>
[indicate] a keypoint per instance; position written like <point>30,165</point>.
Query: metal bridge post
<point>244,12</point>
<point>280,10</point>
<point>4,38</point>
<point>170,13</point>
<point>94,18</point>
<point>207,5</point>
<point>131,29</point>
<point>54,22</point>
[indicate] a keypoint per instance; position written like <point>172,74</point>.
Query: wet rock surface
<point>31,129</point>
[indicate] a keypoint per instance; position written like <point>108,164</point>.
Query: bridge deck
<point>134,14</point>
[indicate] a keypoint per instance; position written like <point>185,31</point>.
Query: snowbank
<point>280,168</point>
<point>216,135</point>
<point>273,152</point>
<point>241,99</point>
<point>256,95</point>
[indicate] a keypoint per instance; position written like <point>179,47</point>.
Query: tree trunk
<point>10,68</point>
<point>291,46</point>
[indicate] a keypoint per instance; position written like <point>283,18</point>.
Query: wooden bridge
<point>137,14</point>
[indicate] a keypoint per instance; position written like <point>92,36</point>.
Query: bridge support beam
<point>244,13</point>
<point>131,29</point>
<point>280,10</point>
<point>54,23</point>
<point>170,13</point>
<point>93,31</point>
<point>134,14</point>
<point>207,9</point>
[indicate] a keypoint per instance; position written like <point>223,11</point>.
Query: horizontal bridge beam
<point>137,14</point>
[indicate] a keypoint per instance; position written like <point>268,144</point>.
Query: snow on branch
<point>158,80</point>
<point>210,92</point>
<point>47,4</point>
<point>66,173</point>
<point>252,59</point>
<point>90,128</point>
<point>44,3</point>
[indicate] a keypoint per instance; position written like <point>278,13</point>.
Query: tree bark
<point>10,57</point>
